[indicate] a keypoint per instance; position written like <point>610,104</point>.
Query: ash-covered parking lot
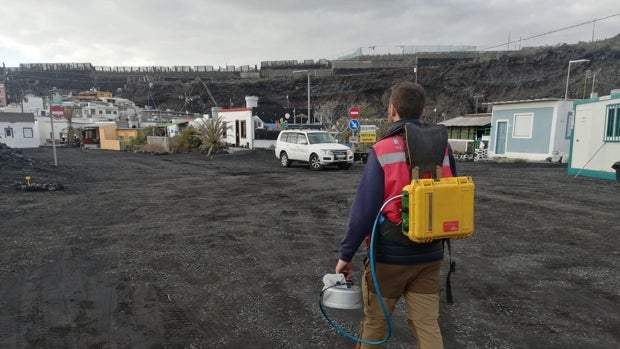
<point>181,251</point>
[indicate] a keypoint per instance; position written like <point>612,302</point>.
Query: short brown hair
<point>409,99</point>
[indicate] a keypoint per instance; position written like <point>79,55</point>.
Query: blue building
<point>532,130</point>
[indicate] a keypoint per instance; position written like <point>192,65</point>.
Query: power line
<point>551,32</point>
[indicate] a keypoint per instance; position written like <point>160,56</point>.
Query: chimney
<point>215,112</point>
<point>251,101</point>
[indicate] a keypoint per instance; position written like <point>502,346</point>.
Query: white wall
<point>30,104</point>
<point>45,129</point>
<point>562,126</point>
<point>589,151</point>
<point>23,134</point>
<point>231,116</point>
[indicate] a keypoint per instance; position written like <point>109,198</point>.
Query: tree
<point>71,132</point>
<point>210,132</point>
<point>341,125</point>
<point>327,113</point>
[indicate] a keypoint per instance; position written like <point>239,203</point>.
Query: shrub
<point>211,133</point>
<point>187,141</point>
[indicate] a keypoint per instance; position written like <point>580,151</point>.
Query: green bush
<point>135,143</point>
<point>186,141</point>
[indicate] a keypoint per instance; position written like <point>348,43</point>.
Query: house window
<point>612,123</point>
<point>523,125</point>
<point>570,121</point>
<point>8,132</point>
<point>28,132</point>
<point>242,131</point>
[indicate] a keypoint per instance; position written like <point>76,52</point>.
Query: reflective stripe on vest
<point>446,171</point>
<point>391,156</point>
<point>393,160</point>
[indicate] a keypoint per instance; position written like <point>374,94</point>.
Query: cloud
<point>238,32</point>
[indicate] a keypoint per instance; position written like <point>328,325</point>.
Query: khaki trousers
<point>419,284</point>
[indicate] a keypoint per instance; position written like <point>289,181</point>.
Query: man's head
<point>408,99</point>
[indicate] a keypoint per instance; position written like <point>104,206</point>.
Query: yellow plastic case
<point>440,209</point>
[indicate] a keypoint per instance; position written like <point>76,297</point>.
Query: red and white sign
<point>354,112</point>
<point>57,112</point>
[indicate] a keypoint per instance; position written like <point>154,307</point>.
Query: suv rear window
<point>294,138</point>
<point>284,136</point>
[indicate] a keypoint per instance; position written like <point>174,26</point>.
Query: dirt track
<point>177,251</point>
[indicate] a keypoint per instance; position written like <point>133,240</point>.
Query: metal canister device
<point>340,294</point>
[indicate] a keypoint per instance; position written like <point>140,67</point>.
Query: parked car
<point>317,148</point>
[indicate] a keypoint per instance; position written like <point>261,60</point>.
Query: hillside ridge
<point>456,83</point>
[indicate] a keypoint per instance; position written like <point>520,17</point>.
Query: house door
<point>237,131</point>
<point>582,139</point>
<point>500,137</point>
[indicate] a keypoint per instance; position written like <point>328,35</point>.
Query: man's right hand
<point>345,268</point>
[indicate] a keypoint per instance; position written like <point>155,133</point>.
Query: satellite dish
<point>287,116</point>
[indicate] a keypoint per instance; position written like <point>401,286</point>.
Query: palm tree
<point>71,131</point>
<point>211,132</point>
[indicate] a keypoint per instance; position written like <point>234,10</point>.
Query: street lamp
<point>568,75</point>
<point>306,71</point>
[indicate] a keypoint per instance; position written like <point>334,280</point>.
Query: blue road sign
<point>354,124</point>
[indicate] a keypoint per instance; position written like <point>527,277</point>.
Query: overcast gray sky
<point>243,32</point>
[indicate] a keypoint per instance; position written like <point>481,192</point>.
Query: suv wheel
<point>284,160</point>
<point>315,162</point>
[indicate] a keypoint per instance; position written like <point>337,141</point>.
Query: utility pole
<point>476,98</point>
<point>308,72</point>
<point>208,91</point>
<point>568,74</point>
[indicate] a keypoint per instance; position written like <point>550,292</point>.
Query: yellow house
<point>90,95</point>
<point>108,138</point>
<point>113,138</point>
<point>101,94</point>
<point>126,136</point>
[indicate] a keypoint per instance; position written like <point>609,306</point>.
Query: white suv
<point>317,148</point>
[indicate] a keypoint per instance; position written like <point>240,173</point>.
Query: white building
<point>30,104</point>
<point>93,111</point>
<point>19,130</point>
<point>239,127</point>
<point>240,123</point>
<point>595,144</point>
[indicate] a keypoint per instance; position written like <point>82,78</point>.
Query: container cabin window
<point>8,132</point>
<point>28,132</point>
<point>612,123</point>
<point>523,125</point>
<point>242,131</point>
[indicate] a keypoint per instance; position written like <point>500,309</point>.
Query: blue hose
<point>375,283</point>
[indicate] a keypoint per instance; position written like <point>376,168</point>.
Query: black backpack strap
<point>451,270</point>
<point>426,146</point>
